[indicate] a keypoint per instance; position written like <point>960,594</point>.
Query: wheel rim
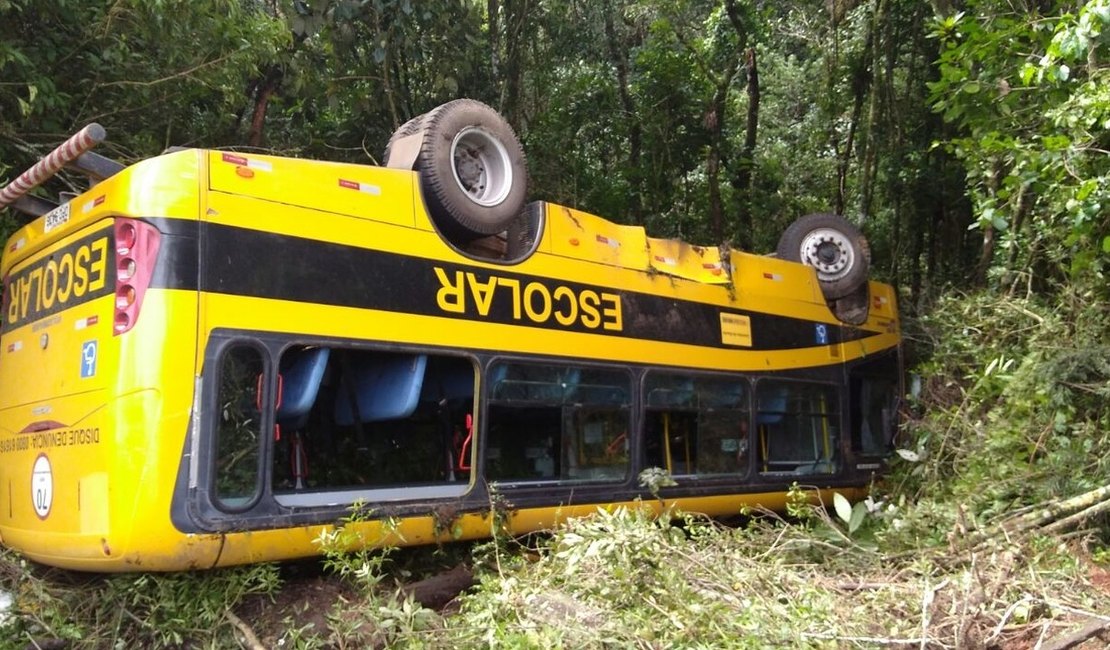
<point>828,251</point>
<point>481,166</point>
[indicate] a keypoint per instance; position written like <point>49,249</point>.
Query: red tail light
<point>136,252</point>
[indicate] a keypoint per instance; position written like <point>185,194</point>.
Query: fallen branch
<point>1052,517</point>
<point>1078,518</point>
<point>1056,510</point>
<point>1072,640</point>
<point>248,634</point>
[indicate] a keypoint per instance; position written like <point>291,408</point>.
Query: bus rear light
<point>137,251</point>
<point>125,268</point>
<point>125,296</point>
<point>125,237</point>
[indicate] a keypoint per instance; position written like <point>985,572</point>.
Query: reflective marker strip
<point>367,188</point>
<point>82,323</point>
<point>243,161</point>
<point>89,205</point>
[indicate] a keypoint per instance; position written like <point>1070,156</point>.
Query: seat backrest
<point>383,387</point>
<point>301,384</point>
<point>771,407</point>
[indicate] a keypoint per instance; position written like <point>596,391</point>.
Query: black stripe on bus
<point>245,262</point>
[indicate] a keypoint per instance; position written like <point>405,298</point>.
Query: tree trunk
<point>263,92</point>
<point>516,21</point>
<point>746,164</point>
<point>861,84</point>
<point>493,15</point>
<point>618,59</point>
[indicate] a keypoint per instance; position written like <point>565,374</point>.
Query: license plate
<point>56,217</point>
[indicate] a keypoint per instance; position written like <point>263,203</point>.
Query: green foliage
<point>1016,394</point>
<point>625,578</point>
<point>379,615</point>
<point>138,610</point>
<point>154,74</point>
<point>1030,96</point>
<point>655,479</point>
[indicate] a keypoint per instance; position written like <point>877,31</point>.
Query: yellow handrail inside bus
<point>825,428</point>
<point>667,442</point>
<point>763,444</point>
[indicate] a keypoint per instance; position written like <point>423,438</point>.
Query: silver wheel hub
<point>481,166</point>
<point>829,252</point>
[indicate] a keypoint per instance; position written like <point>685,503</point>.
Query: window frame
<point>834,415</point>
<point>630,408</point>
<point>265,425</point>
<point>745,380</point>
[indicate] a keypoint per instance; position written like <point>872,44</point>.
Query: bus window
<point>239,429</point>
<point>696,425</point>
<point>557,423</point>
<point>358,419</point>
<point>797,426</point>
<point>874,400</point>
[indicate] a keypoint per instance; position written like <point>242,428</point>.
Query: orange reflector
<point>245,172</point>
<point>125,296</point>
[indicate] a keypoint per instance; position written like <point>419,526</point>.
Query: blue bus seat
<point>771,409</point>
<point>444,382</point>
<point>301,385</point>
<point>385,387</point>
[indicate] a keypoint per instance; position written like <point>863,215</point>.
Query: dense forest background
<point>970,139</point>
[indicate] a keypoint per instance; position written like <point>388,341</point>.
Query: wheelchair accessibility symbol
<point>821,333</point>
<point>88,359</point>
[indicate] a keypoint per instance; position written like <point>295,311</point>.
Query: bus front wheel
<point>834,247</point>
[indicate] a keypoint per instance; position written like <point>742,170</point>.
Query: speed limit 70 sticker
<point>42,486</point>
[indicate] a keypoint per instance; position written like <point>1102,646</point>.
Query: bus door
<point>874,390</point>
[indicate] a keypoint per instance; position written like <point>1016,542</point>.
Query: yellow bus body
<point>113,431</point>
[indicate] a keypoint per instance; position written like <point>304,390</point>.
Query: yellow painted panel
<point>93,503</point>
<point>680,259</point>
<point>358,190</point>
<point>581,235</point>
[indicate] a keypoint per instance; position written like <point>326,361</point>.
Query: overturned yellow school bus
<point>207,358</point>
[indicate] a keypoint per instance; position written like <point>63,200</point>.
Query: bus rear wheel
<point>405,130</point>
<point>472,170</point>
<point>834,247</point>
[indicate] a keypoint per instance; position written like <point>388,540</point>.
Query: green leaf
<point>859,511</point>
<point>1028,71</point>
<point>972,87</point>
<point>843,508</point>
<point>1085,189</point>
<point>1106,244</point>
